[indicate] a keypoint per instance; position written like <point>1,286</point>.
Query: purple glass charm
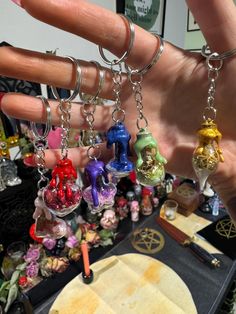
<point>120,166</point>
<point>100,194</point>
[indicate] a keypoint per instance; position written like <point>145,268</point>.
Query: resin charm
<point>47,225</point>
<point>120,166</point>
<point>62,195</point>
<point>150,163</point>
<point>208,154</point>
<point>100,193</point>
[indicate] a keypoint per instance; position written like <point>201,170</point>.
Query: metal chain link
<point>39,147</point>
<point>40,143</point>
<point>117,80</point>
<point>65,109</point>
<point>136,79</point>
<point>213,73</point>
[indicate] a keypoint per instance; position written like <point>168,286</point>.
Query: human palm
<point>174,90</point>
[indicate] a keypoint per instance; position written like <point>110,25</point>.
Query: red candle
<point>84,250</point>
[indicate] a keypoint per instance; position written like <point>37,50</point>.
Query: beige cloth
<point>190,225</point>
<point>130,283</point>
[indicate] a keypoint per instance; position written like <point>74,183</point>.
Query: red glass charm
<point>62,195</point>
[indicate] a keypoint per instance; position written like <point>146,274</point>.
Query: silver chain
<point>40,142</point>
<point>89,118</point>
<point>65,109</point>
<point>39,146</point>
<point>117,80</point>
<point>136,79</point>
<point>213,73</point>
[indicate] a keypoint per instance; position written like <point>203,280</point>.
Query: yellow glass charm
<point>208,154</point>
<point>150,163</point>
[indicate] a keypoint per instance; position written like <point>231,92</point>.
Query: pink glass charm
<point>62,195</point>
<point>106,197</point>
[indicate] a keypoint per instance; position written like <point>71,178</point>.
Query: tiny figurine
<point>130,196</point>
<point>9,172</point>
<point>121,207</point>
<point>134,209</point>
<point>150,163</point>
<point>109,220</point>
<point>146,204</point>
<point>138,192</point>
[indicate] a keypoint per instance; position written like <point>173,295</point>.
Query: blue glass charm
<point>120,166</point>
<point>101,193</point>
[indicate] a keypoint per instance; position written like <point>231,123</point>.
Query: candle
<point>84,250</point>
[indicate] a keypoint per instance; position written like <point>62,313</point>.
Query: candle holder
<point>87,279</point>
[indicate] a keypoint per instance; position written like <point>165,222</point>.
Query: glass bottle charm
<point>150,163</point>
<point>208,154</point>
<point>62,195</point>
<point>100,193</point>
<point>118,135</point>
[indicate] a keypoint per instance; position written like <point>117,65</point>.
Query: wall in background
<point>19,29</point>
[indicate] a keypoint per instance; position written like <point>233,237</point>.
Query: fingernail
<point>29,161</point>
<point>1,96</point>
<point>17,2</point>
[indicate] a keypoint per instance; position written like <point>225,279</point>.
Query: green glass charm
<point>150,163</point>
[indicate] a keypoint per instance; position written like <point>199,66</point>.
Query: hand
<point>174,90</point>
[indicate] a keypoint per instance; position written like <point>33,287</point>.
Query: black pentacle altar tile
<point>222,235</point>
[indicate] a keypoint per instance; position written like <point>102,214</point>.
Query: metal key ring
<point>100,83</point>
<point>211,58</point>
<point>76,90</point>
<point>48,125</point>
<point>127,52</point>
<point>154,60</point>
<point>205,52</point>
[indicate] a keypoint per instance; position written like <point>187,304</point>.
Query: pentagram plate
<point>148,241</point>
<point>221,234</point>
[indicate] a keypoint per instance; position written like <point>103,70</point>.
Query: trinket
<point>150,163</point>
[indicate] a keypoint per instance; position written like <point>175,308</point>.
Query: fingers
<point>217,20</point>
<point>80,17</point>
<point>52,70</point>
<point>30,108</point>
<point>78,156</point>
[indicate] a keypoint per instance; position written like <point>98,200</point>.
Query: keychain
<point>63,195</point>
<point>46,224</point>
<point>118,134</point>
<point>208,154</point>
<point>100,193</point>
<point>150,163</point>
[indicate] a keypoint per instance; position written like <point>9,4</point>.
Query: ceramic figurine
<point>134,209</point>
<point>9,172</point>
<point>146,204</point>
<point>121,207</point>
<point>109,220</point>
